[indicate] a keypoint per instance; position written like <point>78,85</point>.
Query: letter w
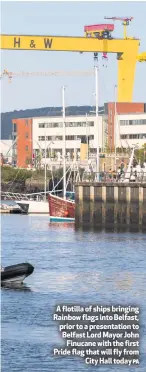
<point>103,352</point>
<point>99,343</point>
<point>48,43</point>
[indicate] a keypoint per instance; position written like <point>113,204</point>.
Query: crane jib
<point>32,43</point>
<point>126,51</point>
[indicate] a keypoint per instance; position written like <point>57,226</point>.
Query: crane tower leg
<point>125,31</point>
<point>126,73</point>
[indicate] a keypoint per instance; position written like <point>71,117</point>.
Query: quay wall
<point>110,205</point>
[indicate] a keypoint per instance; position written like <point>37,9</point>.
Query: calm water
<point>70,267</point>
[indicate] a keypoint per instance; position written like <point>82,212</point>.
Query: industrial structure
<point>97,39</point>
<point>32,135</point>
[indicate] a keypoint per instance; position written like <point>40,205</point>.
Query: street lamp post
<point>45,183</point>
<point>97,125</point>
<point>87,137</point>
<point>115,129</point>
<point>64,142</point>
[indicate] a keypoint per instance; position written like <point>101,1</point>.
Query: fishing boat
<point>7,208</point>
<point>15,273</point>
<point>62,209</point>
<point>29,203</point>
<point>33,206</point>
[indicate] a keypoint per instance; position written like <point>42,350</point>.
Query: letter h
<point>16,42</point>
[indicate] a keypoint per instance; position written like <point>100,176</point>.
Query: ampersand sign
<point>32,44</point>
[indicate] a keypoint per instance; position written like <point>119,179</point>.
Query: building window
<point>58,138</point>
<point>26,122</point>
<point>26,135</point>
<point>91,123</point>
<point>91,137</point>
<point>93,150</point>
<point>70,138</point>
<point>67,124</point>
<point>50,125</point>
<point>133,122</point>
<point>14,127</point>
<point>124,122</point>
<point>80,124</point>
<point>70,153</point>
<point>133,136</point>
<point>41,125</point>
<point>26,147</point>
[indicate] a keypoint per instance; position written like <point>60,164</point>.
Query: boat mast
<point>64,143</point>
<point>115,128</point>
<point>45,169</point>
<point>87,137</point>
<point>97,125</point>
<point>128,172</point>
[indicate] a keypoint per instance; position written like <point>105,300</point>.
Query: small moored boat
<point>16,273</point>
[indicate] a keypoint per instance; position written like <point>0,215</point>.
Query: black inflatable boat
<point>16,273</point>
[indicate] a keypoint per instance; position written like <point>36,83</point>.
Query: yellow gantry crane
<point>142,57</point>
<point>125,23</point>
<point>97,39</point>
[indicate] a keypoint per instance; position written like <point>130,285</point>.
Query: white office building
<point>51,129</point>
<point>131,130</point>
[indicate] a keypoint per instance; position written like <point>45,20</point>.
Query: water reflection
<point>61,225</point>
<point>16,287</point>
<point>111,228</point>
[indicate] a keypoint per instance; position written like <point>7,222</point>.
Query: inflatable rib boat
<point>16,273</point>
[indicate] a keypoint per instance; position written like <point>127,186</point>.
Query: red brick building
<point>22,133</point>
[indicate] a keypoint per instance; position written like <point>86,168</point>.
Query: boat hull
<point>61,219</point>
<point>60,207</point>
<point>32,206</point>
<point>16,273</point>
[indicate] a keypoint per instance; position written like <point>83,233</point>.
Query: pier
<point>110,205</point>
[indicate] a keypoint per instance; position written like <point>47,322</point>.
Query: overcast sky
<point>65,18</point>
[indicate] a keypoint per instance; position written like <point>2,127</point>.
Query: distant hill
<point>6,118</point>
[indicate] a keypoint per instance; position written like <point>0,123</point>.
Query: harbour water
<point>71,267</point>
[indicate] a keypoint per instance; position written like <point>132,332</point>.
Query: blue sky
<point>65,18</point>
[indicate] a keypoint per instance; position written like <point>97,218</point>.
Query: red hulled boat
<point>59,207</point>
<point>62,209</point>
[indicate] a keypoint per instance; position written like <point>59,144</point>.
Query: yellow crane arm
<point>66,43</point>
<point>126,50</point>
<point>142,57</point>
